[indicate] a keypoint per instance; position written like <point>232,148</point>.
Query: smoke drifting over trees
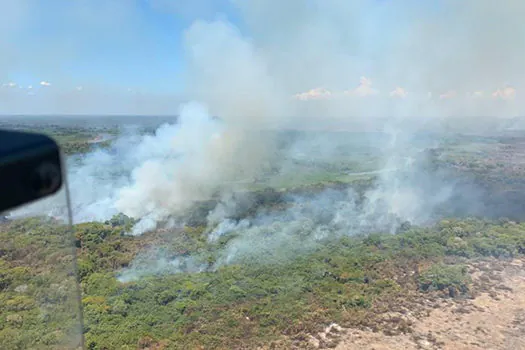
<point>419,64</point>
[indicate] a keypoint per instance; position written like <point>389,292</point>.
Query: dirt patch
<point>494,319</point>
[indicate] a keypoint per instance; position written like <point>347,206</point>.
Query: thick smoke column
<point>181,154</point>
<point>188,162</point>
<point>250,81</point>
<point>153,177</point>
<point>438,54</point>
<point>444,59</point>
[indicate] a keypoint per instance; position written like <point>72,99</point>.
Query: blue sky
<point>129,56</point>
<point>113,43</point>
<point>117,44</point>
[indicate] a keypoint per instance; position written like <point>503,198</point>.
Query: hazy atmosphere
<point>225,54</point>
<point>253,138</point>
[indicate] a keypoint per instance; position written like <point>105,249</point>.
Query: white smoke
<point>248,78</point>
<point>405,195</point>
<point>158,262</point>
<point>153,177</point>
<point>146,177</point>
<point>163,182</point>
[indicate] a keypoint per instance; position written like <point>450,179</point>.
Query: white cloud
<point>45,83</point>
<point>507,93</point>
<point>79,88</point>
<point>399,92</point>
<point>314,94</point>
<point>364,89</point>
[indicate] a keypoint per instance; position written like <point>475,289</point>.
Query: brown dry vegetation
<point>491,318</point>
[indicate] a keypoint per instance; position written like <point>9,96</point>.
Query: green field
<point>72,139</point>
<point>261,301</point>
<point>348,280</point>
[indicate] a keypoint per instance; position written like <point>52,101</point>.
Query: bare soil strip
<point>493,319</point>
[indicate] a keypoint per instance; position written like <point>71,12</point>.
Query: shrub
<point>441,277</point>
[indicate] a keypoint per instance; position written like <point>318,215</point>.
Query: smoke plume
<point>397,67</point>
<point>250,81</point>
